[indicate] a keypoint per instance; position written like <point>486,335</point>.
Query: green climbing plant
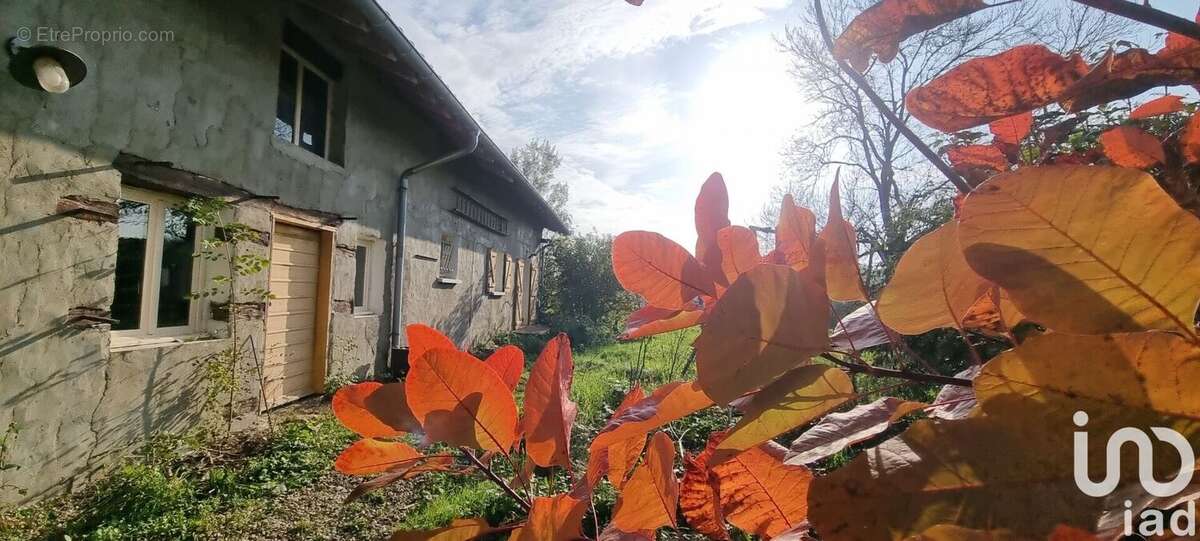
<point>6,438</point>
<point>220,370</point>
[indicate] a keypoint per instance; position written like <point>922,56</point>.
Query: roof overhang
<point>364,27</point>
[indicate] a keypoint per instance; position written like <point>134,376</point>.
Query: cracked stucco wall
<point>204,101</point>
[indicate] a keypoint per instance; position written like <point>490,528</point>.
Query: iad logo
<point>1151,521</point>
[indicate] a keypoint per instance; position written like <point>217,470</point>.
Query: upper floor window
<point>304,114</point>
<point>155,272</point>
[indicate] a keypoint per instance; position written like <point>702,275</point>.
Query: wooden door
<point>296,277</point>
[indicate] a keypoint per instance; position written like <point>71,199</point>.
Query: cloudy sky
<point>643,103</point>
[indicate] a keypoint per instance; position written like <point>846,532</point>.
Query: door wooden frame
<point>324,296</point>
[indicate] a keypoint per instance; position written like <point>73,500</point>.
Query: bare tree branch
<point>1143,13</point>
<point>883,108</point>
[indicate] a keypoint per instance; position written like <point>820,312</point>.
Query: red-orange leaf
<point>859,330</point>
<point>554,518</point>
<point>966,157</point>
<point>1189,142</point>
<point>461,529</point>
<point>992,313</point>
<point>617,459</point>
<point>1067,533</point>
<point>509,363</point>
<point>769,322</point>
<point>1179,42</point>
<point>374,410</point>
<point>839,430</point>
<point>700,494</point>
<point>1011,130</point>
<point>651,320</point>
<point>659,270</point>
<point>1132,72</point>
<point>739,251</point>
<point>1085,249</point>
<point>932,287</point>
<point>667,403</point>
<point>549,411</point>
<point>712,215</point>
<point>460,401</point>
<point>760,494</point>
<point>422,338</point>
<point>794,400</point>
<point>611,533</point>
<point>437,463</point>
<point>882,27</point>
<point>649,499</point>
<point>369,456</point>
<point>795,234</point>
<point>1163,105</point>
<point>991,88</point>
<point>842,278</point>
<point>1128,146</point>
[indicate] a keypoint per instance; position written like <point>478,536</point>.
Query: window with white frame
<point>368,272</point>
<point>155,272</point>
<point>304,110</point>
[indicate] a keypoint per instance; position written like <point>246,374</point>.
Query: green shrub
<point>449,497</point>
<point>298,454</point>
<point>580,294</point>
<point>138,502</point>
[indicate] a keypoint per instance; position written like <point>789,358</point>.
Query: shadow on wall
<point>457,323</point>
<point>107,405</point>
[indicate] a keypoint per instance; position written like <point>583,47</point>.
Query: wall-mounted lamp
<point>43,67</point>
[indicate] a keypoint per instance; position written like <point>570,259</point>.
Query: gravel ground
<point>316,512</point>
<point>312,512</point>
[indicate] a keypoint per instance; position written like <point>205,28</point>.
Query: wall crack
<point>96,410</point>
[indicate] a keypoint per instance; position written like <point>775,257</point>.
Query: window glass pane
<point>313,109</point>
<point>132,230</point>
<point>360,276</point>
<point>285,110</point>
<point>175,278</point>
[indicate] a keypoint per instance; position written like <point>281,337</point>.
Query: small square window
<point>155,272</point>
<point>360,276</point>
<point>448,258</point>
<point>368,268</point>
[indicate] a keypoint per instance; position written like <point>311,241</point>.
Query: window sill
<point>365,314</point>
<point>496,294</point>
<point>449,281</point>
<point>119,344</point>
<point>295,151</point>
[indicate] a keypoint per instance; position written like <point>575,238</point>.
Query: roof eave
<point>489,152</point>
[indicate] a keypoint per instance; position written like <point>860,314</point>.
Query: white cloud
<point>643,103</point>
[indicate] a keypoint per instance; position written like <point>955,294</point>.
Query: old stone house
<point>329,135</point>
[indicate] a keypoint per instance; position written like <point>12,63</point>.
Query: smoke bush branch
<point>865,87</point>
<point>1145,14</point>
<point>487,471</point>
<point>899,374</point>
